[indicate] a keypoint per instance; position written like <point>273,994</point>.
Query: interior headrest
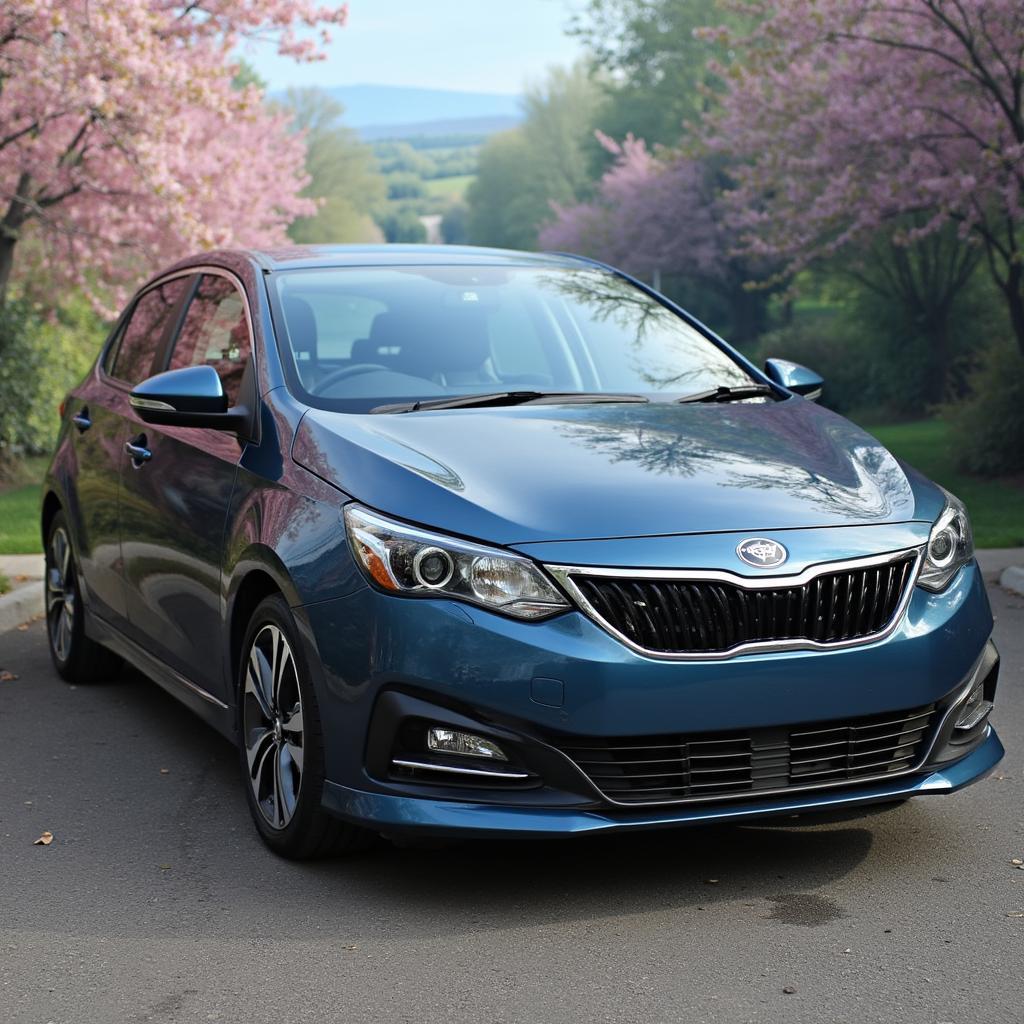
<point>432,344</point>
<point>298,314</point>
<point>391,330</point>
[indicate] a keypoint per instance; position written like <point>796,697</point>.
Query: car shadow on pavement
<point>199,808</point>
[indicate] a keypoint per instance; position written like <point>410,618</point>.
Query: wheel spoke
<point>265,677</point>
<point>287,785</point>
<point>275,642</point>
<point>295,753</point>
<point>257,775</point>
<point>63,634</point>
<point>254,682</point>
<point>65,556</point>
<point>279,819</point>
<point>283,660</point>
<point>54,590</point>
<point>292,722</point>
<point>256,746</point>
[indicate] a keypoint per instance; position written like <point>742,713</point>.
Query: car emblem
<point>762,553</point>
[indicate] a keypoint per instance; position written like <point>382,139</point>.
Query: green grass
<point>451,188</point>
<point>19,521</point>
<point>5,584</point>
<point>19,509</point>
<point>996,506</point>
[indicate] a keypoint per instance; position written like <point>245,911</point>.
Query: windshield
<point>366,336</point>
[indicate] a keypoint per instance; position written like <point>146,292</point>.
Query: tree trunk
<point>1015,300</point>
<point>7,244</point>
<point>10,231</point>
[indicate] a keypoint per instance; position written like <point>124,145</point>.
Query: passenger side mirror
<point>189,397</point>
<point>795,377</point>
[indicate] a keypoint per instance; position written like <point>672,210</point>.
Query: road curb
<point>20,605</point>
<point>1013,579</point>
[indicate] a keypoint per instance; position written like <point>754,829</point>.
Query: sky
<point>468,45</point>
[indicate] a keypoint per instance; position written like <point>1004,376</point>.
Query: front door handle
<point>81,419</point>
<point>137,449</point>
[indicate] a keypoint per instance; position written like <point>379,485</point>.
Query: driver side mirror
<point>795,378</point>
<point>190,397</point>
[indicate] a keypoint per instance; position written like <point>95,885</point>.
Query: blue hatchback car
<point>465,541</point>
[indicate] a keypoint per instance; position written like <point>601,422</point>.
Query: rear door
<point>99,426</point>
<point>175,502</point>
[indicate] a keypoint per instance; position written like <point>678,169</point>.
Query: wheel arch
<point>50,507</point>
<point>259,574</point>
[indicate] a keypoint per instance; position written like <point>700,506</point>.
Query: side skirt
<point>209,708</point>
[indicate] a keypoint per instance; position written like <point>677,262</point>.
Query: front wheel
<point>281,742</point>
<point>75,657</point>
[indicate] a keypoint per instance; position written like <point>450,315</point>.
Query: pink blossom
<point>123,144</point>
<point>651,213</point>
<point>846,117</point>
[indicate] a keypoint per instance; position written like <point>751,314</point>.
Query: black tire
<point>281,749</point>
<point>76,658</point>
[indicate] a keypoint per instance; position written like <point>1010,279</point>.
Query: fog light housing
<point>974,710</point>
<point>463,744</point>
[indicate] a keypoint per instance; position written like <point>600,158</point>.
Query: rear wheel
<point>76,658</point>
<point>281,742</point>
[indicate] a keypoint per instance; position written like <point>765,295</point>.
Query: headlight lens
<point>416,563</point>
<point>950,546</point>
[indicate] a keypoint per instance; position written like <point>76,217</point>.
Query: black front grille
<point>660,769</point>
<point>707,616</point>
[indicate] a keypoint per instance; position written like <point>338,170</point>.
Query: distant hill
<point>376,106</point>
<point>472,129</point>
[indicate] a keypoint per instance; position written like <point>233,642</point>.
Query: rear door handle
<point>81,420</point>
<point>137,449</point>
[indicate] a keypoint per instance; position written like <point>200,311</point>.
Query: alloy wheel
<point>61,595</point>
<point>272,726</point>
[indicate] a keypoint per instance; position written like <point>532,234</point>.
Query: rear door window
<point>215,332</point>
<point>145,331</point>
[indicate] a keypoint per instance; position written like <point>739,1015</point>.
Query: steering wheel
<point>345,372</point>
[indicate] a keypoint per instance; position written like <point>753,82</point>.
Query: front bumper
<point>447,817</point>
<point>468,662</point>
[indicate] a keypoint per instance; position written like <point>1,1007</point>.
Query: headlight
<point>950,546</point>
<point>417,563</point>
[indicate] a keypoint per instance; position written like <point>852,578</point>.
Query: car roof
<point>307,256</point>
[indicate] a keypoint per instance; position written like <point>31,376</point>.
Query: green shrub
<point>988,427</point>
<point>39,361</point>
<point>818,345</point>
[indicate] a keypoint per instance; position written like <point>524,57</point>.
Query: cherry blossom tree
<point>893,116</point>
<point>123,142</point>
<point>658,213</point>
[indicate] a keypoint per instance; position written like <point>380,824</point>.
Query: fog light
<point>450,741</point>
<point>974,710</point>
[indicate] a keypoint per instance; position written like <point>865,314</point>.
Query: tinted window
<point>215,332</point>
<point>409,332</point>
<point>144,331</point>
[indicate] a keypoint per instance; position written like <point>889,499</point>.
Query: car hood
<point>573,472</point>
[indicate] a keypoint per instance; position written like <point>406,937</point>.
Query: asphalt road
<point>156,902</point>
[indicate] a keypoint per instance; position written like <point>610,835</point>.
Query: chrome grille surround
<point>565,575</point>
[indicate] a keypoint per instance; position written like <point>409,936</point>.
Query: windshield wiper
<point>728,394</point>
<point>497,398</point>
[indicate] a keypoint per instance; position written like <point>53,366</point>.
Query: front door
<point>176,491</point>
<point>99,412</point>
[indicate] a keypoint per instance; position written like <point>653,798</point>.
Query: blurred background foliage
<point>40,359</point>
